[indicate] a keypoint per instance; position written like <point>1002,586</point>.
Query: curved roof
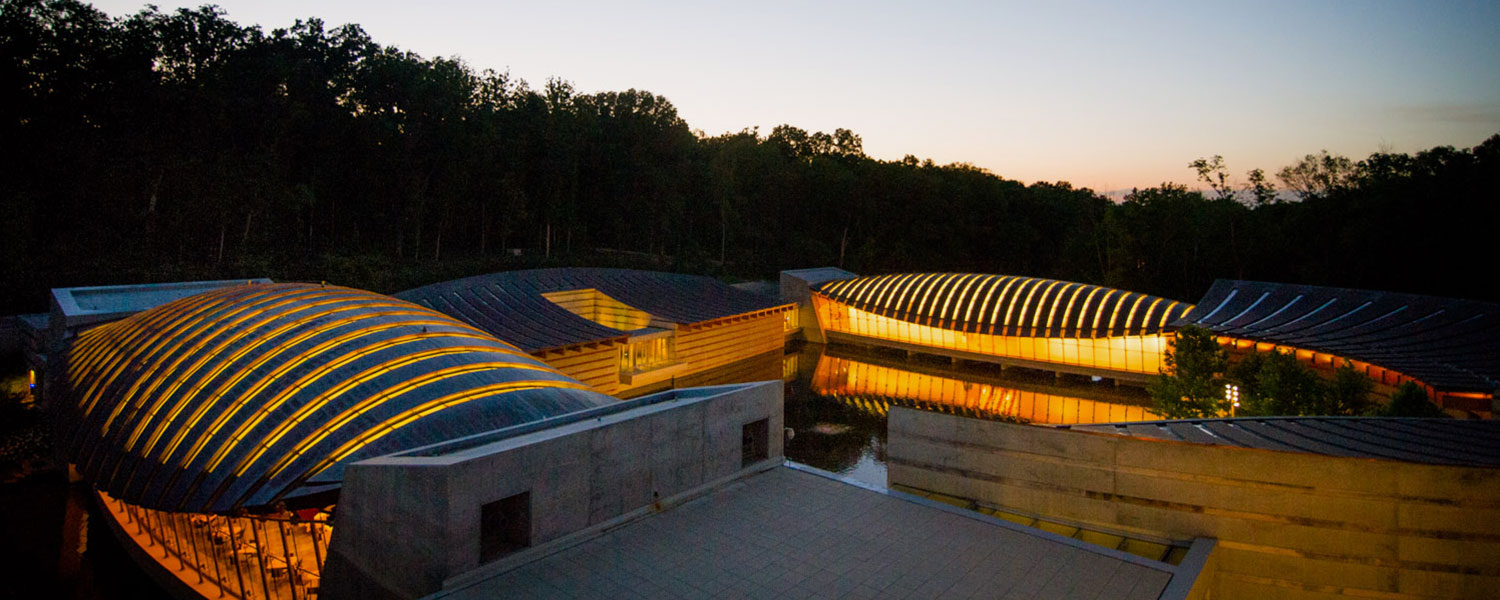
<point>1447,343</point>
<point>243,395</point>
<point>510,304</point>
<point>1007,304</point>
<point>1435,441</point>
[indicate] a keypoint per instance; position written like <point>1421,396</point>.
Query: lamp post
<point>1232,394</point>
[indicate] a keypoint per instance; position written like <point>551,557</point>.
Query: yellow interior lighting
<point>369,374</point>
<point>145,336</point>
<point>1083,313</point>
<point>363,406</point>
<point>995,312</point>
<point>222,323</point>
<point>1062,326</point>
<point>291,364</point>
<point>1099,311</point>
<point>1166,315</point>
<point>1146,318</point>
<point>863,289</point>
<point>967,282</point>
<point>1056,300</point>
<point>930,297</point>
<point>903,303</point>
<point>838,286</point>
<point>600,308</point>
<point>1020,318</point>
<point>263,338</point>
<point>412,414</point>
<point>233,441</point>
<point>887,289</point>
<point>987,289</point>
<point>1036,311</point>
<point>1130,316</point>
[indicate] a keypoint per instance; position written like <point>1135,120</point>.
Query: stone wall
<point>408,526</point>
<point>1288,525</point>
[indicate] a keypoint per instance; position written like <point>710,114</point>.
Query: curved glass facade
<point>248,395</point>
<point>1093,328</point>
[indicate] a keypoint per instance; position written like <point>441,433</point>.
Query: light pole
<point>1232,394</point>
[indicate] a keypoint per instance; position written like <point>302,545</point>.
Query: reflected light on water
<point>838,407</point>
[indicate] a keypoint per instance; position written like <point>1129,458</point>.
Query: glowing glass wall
<point>1126,353</point>
<point>271,557</point>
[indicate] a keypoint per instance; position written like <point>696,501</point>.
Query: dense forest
<point>181,145</point>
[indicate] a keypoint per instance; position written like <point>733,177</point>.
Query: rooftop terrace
<point>790,533</point>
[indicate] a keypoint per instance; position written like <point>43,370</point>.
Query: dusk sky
<point>1104,96</point>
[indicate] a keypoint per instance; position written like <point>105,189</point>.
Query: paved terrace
<point>786,533</point>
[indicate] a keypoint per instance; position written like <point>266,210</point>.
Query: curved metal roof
<point>1447,343</point>
<point>510,304</point>
<point>1435,441</point>
<point>240,396</point>
<point>1007,304</point>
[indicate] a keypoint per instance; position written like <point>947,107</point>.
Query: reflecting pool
<point>837,398</point>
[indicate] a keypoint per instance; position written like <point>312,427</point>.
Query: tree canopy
<point>1192,385</point>
<point>1200,375</point>
<point>170,145</point>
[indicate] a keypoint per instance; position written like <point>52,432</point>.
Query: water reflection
<point>837,402</point>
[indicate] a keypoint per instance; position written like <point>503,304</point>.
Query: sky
<point>1103,96</point>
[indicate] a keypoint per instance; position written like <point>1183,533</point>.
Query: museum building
<point>227,426</point>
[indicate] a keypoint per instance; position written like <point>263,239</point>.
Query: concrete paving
<point>785,533</point>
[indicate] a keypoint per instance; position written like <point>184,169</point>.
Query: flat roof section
<point>114,301</point>
<point>1472,443</point>
<point>786,533</point>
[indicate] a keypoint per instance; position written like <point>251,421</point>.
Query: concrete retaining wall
<point>408,526</point>
<point>1289,525</point>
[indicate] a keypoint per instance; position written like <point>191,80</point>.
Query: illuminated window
<point>648,354</point>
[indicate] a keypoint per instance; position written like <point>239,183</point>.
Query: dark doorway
<point>504,526</point>
<point>755,442</point>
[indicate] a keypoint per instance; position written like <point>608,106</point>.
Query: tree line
<point>176,145</point>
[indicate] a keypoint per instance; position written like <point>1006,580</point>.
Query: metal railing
<point>247,557</point>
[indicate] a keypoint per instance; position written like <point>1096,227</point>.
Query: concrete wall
<point>405,525</point>
<point>1289,525</point>
<point>796,287</point>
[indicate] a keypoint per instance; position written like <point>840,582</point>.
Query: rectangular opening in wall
<point>504,526</point>
<point>755,442</point>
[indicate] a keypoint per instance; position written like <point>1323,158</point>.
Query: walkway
<point>790,534</point>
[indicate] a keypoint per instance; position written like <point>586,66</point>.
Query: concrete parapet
<point>409,525</point>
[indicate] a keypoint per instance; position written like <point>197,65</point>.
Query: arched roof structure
<point>511,306</point>
<point>246,395</point>
<point>1447,343</point>
<point>1006,304</point>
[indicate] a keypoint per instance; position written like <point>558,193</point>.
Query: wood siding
<point>728,340</point>
<point>596,365</point>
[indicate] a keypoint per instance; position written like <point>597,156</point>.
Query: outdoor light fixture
<point>1232,394</point>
